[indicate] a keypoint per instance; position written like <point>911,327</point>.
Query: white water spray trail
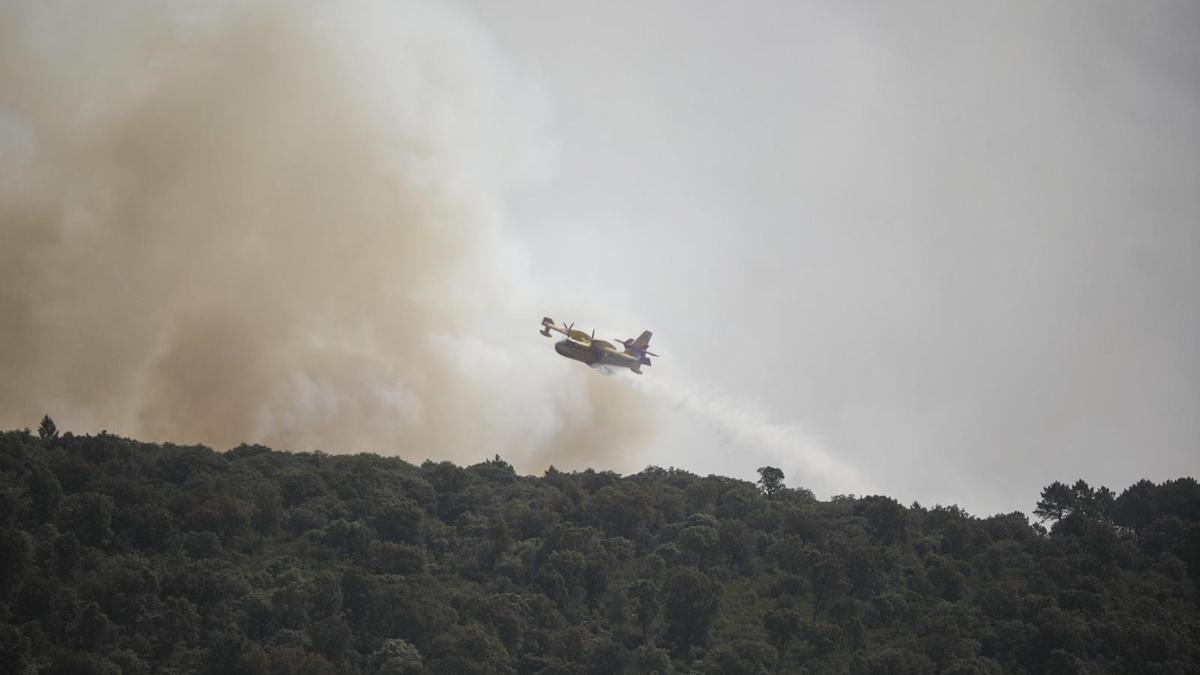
<point>744,428</point>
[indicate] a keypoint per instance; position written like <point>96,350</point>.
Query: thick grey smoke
<point>283,223</point>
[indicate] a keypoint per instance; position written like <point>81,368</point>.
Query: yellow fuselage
<point>596,353</point>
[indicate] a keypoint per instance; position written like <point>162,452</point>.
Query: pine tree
<point>47,430</point>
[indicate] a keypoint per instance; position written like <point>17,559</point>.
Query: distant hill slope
<point>120,556</point>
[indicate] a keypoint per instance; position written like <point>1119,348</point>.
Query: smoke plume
<point>749,438</point>
<point>279,223</point>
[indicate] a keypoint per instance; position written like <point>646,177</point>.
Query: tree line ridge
<point>118,556</point>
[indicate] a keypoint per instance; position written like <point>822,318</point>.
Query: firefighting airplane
<point>580,346</point>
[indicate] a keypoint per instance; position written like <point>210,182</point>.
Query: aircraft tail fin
<point>639,346</point>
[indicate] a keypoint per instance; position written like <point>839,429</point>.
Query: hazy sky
<point>942,251</point>
<point>959,242</point>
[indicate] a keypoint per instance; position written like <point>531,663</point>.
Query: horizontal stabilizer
<point>639,346</point>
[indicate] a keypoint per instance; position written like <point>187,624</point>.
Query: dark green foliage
<point>47,430</point>
<point>692,599</point>
<point>770,479</point>
<point>782,625</point>
<point>644,594</point>
<point>88,516</point>
<point>118,556</point>
<point>396,657</point>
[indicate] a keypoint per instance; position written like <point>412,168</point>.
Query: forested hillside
<point>120,556</point>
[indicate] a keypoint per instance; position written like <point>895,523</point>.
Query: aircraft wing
<point>549,325</point>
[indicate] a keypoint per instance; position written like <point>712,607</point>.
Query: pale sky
<point>957,242</point>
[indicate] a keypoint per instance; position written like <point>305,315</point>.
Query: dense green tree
<point>118,556</point>
<point>741,657</point>
<point>1056,503</point>
<point>47,429</point>
<point>468,650</point>
<point>267,515</point>
<point>770,480</point>
<point>886,519</point>
<point>1136,507</point>
<point>646,606</point>
<point>781,625</point>
<point>89,516</point>
<point>396,657</point>
<point>689,607</point>
<point>16,549</point>
<point>398,520</point>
